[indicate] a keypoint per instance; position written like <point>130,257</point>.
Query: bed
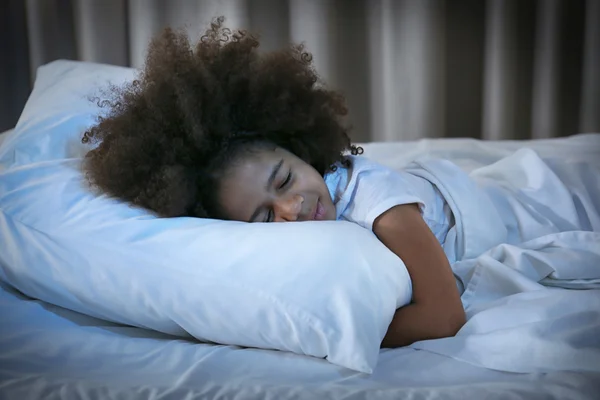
<point>52,353</point>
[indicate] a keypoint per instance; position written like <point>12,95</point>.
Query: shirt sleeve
<point>372,190</point>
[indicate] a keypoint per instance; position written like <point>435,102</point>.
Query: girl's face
<point>273,185</point>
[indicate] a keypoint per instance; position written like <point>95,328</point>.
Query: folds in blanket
<point>569,260</point>
<point>478,226</point>
<point>521,316</point>
<point>537,197</point>
<point>516,199</point>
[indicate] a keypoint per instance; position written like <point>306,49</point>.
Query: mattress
<point>52,353</point>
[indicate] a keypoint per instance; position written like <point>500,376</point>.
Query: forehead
<point>257,158</point>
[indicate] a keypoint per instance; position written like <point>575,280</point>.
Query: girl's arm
<point>436,310</point>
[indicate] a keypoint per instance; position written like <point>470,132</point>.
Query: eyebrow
<point>272,177</point>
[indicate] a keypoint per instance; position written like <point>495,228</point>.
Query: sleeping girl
<point>221,130</point>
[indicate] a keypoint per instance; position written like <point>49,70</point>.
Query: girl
<point>222,131</point>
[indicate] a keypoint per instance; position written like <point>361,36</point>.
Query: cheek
<point>234,202</point>
<point>313,182</point>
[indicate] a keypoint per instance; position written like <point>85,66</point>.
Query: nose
<point>288,208</point>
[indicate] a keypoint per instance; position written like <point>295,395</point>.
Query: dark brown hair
<point>168,137</point>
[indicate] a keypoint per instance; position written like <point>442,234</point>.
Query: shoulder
<point>344,175</point>
<point>362,163</point>
<point>368,174</point>
<point>359,167</point>
<point>369,190</point>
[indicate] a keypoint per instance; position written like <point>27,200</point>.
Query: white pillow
<point>324,289</point>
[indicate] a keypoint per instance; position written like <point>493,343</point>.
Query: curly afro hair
<point>169,136</point>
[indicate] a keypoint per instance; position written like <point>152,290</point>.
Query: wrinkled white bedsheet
<point>526,229</point>
<point>527,336</point>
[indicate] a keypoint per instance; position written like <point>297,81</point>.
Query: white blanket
<point>524,228</point>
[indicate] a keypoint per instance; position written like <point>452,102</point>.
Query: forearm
<point>436,310</point>
<point>413,323</point>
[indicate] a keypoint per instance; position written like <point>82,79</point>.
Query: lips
<point>319,213</point>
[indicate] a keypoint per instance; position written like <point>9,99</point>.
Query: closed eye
<point>287,180</point>
<point>269,216</point>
